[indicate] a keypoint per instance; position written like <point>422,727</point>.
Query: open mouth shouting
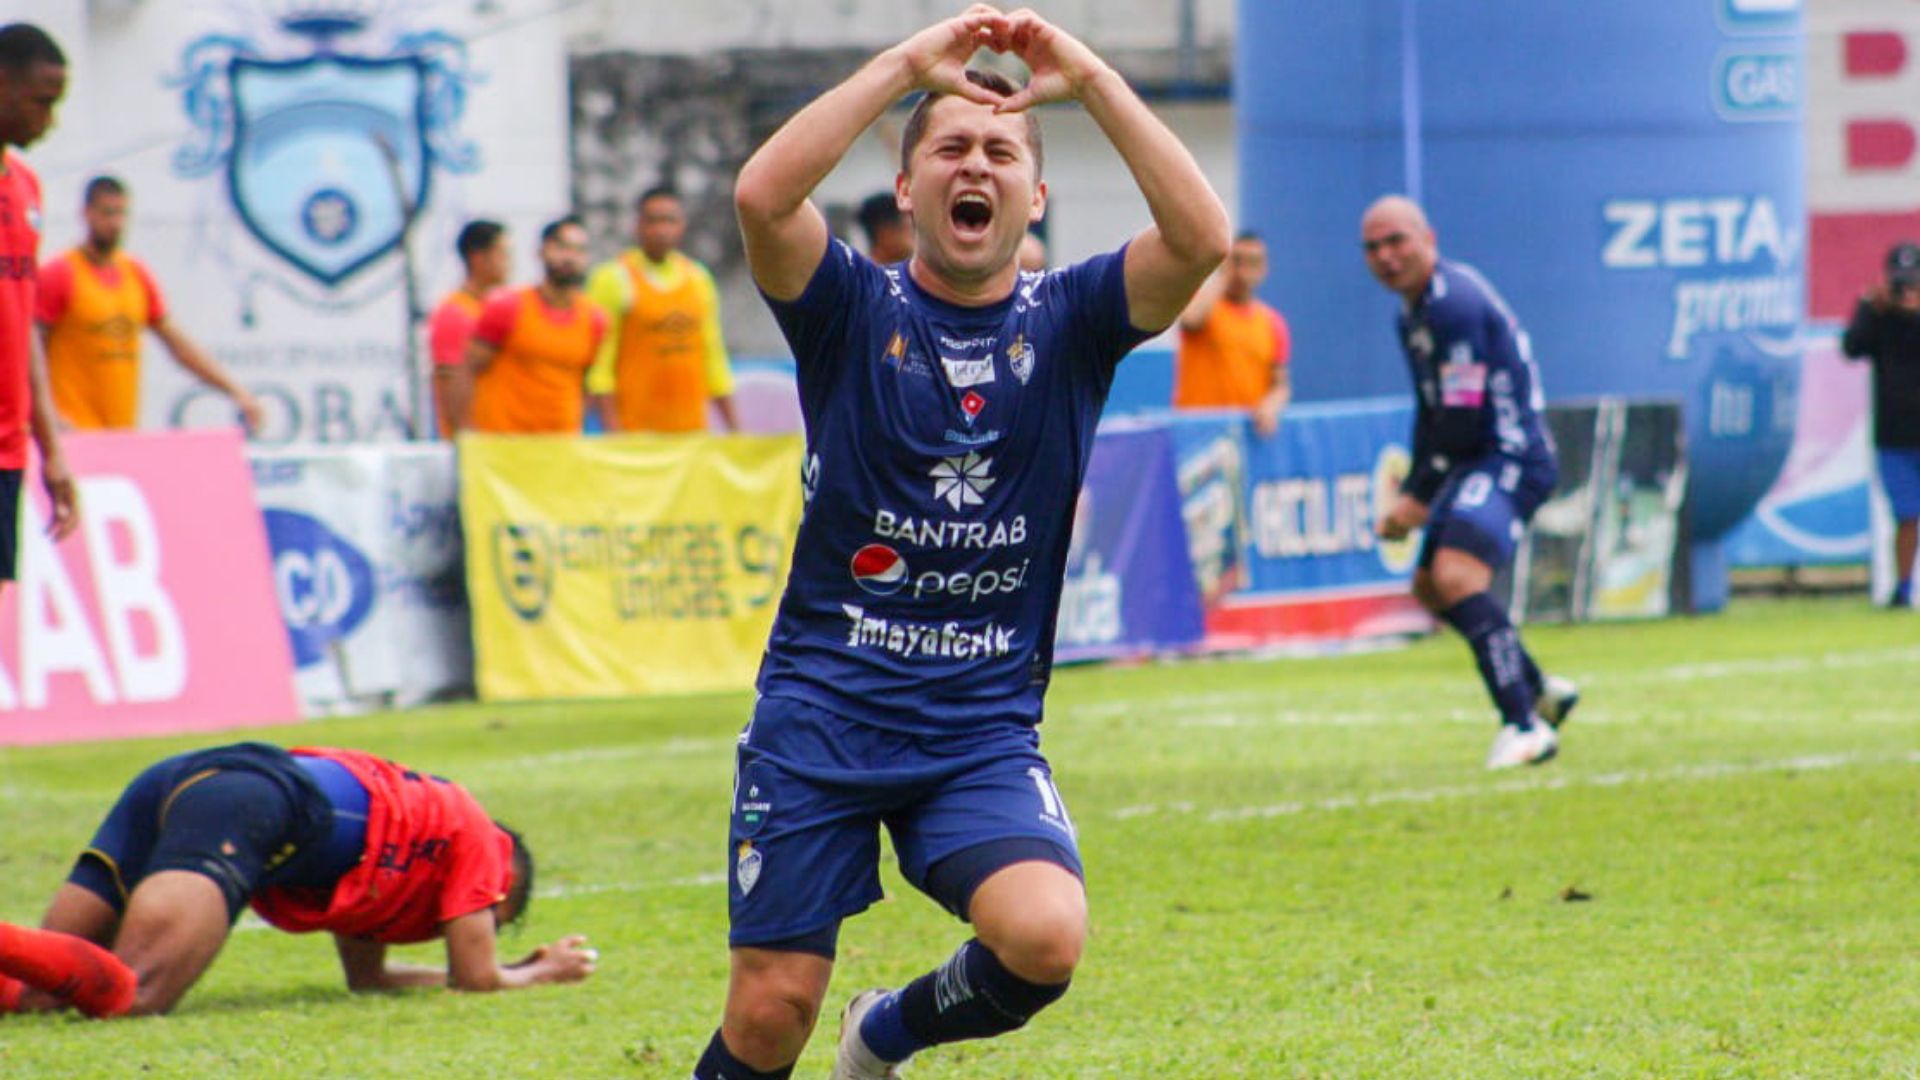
<point>971,214</point>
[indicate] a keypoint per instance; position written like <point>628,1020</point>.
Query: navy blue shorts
<point>812,789</point>
<point>1483,508</point>
<point>9,524</point>
<point>1900,479</point>
<point>243,816</point>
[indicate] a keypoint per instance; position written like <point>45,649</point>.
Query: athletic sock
<point>1903,593</point>
<point>72,969</point>
<point>971,996</point>
<point>718,1063</point>
<point>1503,661</point>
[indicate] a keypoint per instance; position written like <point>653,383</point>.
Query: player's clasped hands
<point>570,959</point>
<point>1059,63</point>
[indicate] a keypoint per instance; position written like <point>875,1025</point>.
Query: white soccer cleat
<point>1558,696</point>
<point>855,1061</point>
<point>1515,745</point>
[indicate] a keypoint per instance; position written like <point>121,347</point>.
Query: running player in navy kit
<point>950,404</point>
<point>1482,463</point>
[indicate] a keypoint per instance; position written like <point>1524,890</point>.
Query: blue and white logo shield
<point>323,148</point>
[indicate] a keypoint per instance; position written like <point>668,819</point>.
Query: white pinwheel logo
<point>961,480</point>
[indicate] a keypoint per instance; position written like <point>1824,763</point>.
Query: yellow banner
<point>630,564</point>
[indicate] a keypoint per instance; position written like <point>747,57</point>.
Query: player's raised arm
<point>1190,233</point>
<point>785,234</point>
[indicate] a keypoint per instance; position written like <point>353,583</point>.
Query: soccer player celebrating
<point>33,76</point>
<point>950,405</point>
<point>93,303</point>
<point>1482,463</point>
<point>313,839</point>
<point>531,349</point>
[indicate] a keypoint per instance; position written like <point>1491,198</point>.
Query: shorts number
<point>1474,490</point>
<point>1052,806</point>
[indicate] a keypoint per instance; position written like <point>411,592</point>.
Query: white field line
<point>676,747</point>
<point>1845,660</point>
<point>1680,773</point>
<point>1684,773</point>
<point>691,881</point>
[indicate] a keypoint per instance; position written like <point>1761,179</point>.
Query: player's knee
<point>772,1014</point>
<point>1044,946</point>
<point>1453,580</point>
<point>152,1000</point>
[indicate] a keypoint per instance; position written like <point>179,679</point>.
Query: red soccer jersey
<point>432,856</point>
<point>450,327</point>
<point>19,256</point>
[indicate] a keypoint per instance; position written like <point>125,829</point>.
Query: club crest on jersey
<point>746,866</point>
<point>896,350</point>
<point>971,405</point>
<point>1020,359</point>
<point>962,481</point>
<point>1421,341</point>
<point>878,569</point>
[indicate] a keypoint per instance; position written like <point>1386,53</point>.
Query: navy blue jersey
<point>945,450</point>
<point>1476,389</point>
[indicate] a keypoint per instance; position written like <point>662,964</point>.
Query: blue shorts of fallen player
<point>813,789</point>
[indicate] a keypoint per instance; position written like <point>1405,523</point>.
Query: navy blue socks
<point>718,1063</point>
<point>971,996</point>
<point>1512,678</point>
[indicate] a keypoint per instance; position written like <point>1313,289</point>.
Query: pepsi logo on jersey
<point>878,569</point>
<point>882,571</point>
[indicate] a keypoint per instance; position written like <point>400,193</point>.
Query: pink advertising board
<point>156,617</point>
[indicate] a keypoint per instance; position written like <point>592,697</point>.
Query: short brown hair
<point>916,128</point>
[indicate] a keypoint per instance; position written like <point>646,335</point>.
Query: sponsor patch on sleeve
<point>1463,385</point>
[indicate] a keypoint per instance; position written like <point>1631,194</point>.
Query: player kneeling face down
<point>312,839</point>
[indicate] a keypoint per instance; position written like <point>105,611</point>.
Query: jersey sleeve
<point>1096,292</point>
<point>447,334</point>
<point>817,323</point>
<point>1859,342</point>
<point>479,865</point>
<point>53,291</point>
<point>611,291</point>
<point>1282,339</point>
<point>1429,469</point>
<point>496,319</point>
<point>156,301</point>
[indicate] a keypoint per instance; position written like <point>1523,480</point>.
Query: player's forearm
<point>42,422</point>
<point>777,180</point>
<point>1192,222</point>
<point>205,368</point>
<point>407,977</point>
<point>453,395</point>
<point>1194,317</point>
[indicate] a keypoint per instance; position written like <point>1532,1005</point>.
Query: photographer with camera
<point>1886,331</point>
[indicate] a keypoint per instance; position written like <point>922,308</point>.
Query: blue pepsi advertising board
<point>1628,174</point>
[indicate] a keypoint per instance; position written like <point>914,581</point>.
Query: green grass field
<point>1298,869</point>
